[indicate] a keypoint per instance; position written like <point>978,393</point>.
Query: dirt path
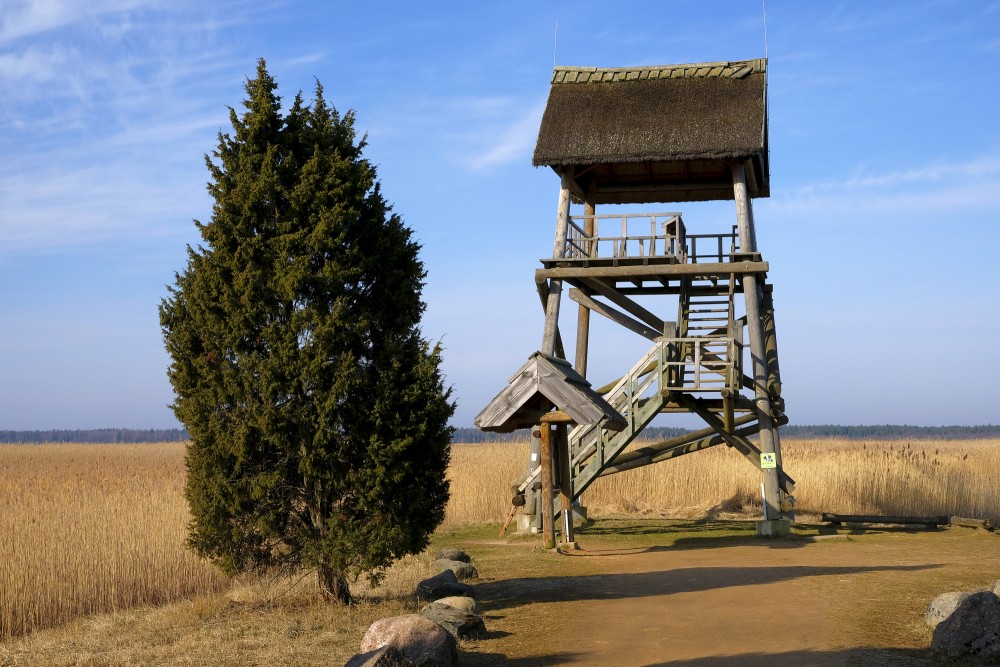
<point>854,600</point>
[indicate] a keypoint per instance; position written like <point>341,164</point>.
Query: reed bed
<point>923,477</point>
<point>92,528</point>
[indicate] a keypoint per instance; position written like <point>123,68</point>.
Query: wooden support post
<point>548,533</point>
<point>675,375</point>
<point>769,442</point>
<point>771,347</point>
<point>728,410</point>
<point>565,483</point>
<point>583,314</point>
<point>555,284</point>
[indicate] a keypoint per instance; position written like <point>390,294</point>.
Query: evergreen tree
<point>317,413</point>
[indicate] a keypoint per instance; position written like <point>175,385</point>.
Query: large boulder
<point>973,629</point>
<point>421,641</point>
<point>942,606</point>
<point>463,571</point>
<point>442,585</point>
<point>387,656</point>
<point>453,554</point>
<point>459,602</point>
<point>461,624</point>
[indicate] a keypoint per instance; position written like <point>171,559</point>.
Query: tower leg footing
<point>774,528</point>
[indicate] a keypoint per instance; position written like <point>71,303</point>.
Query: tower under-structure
<point>651,135</point>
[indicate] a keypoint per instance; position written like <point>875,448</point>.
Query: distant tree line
<point>96,435</point>
<point>893,431</point>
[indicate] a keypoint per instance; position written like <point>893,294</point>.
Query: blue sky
<point>882,231</point>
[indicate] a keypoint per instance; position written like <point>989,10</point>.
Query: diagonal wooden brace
<point>737,442</point>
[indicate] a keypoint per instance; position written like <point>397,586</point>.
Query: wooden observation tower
<point>645,135</point>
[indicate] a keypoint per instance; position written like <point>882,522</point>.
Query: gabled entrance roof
<point>541,384</point>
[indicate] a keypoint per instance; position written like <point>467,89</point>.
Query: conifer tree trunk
<point>333,586</point>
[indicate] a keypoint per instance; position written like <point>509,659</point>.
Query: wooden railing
<point>626,235</point>
<point>713,247</point>
<point>645,235</point>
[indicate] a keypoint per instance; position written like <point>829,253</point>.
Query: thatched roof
<point>662,127</point>
<point>541,384</point>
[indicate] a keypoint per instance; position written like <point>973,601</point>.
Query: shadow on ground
<point>853,657</point>
<point>694,534</point>
<point>509,593</point>
<point>500,660</point>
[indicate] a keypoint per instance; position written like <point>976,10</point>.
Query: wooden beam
<point>664,186</point>
<point>555,287</point>
<point>668,289</point>
<point>614,315</point>
<point>565,483</point>
<point>652,272</point>
<point>737,442</point>
<point>751,178</point>
<point>583,314</point>
<point>556,417</point>
<point>674,447</point>
<point>548,532</point>
<point>543,294</point>
<point>771,347</point>
<point>837,519</point>
<point>610,293</point>
<point>741,404</point>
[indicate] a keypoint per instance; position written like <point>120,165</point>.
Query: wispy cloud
<point>946,187</point>
<point>935,172</point>
<point>27,18</point>
<point>100,137</point>
<point>499,145</point>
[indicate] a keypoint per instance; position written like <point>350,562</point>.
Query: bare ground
<point>728,600</point>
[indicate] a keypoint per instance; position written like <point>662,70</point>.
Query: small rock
<point>996,587</point>
<point>973,629</point>
<point>942,606</point>
<point>461,624</point>
<point>462,570</point>
<point>387,656</point>
<point>443,585</point>
<point>461,603</point>
<point>421,641</point>
<point>453,554</point>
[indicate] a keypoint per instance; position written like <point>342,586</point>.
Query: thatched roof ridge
<point>667,113</point>
<point>724,69</point>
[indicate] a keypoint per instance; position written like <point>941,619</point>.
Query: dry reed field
<point>919,477</point>
<point>92,528</point>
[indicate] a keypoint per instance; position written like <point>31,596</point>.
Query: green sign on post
<point>768,461</point>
